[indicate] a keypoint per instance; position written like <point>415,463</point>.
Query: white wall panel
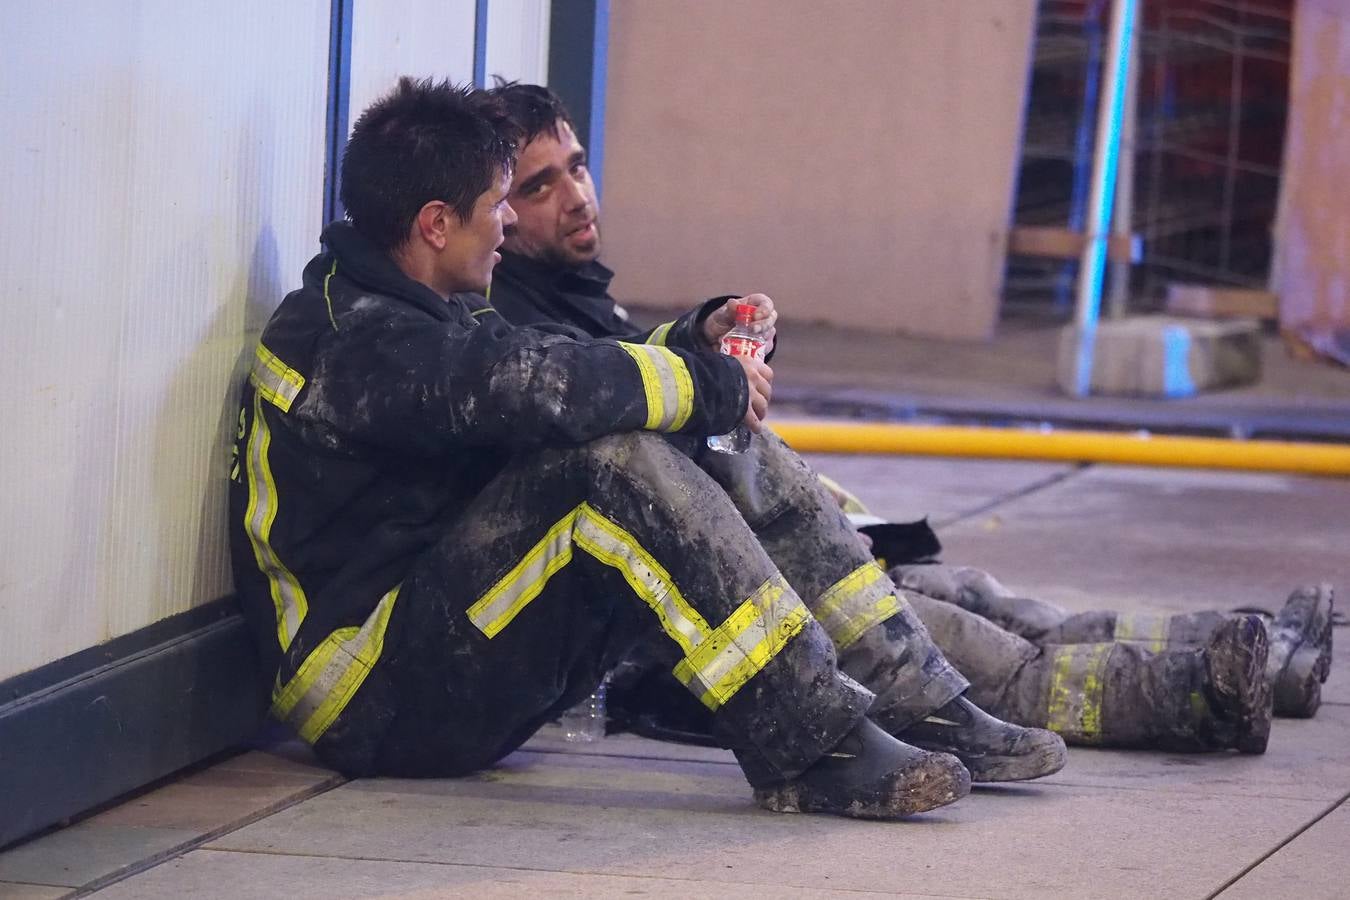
<point>408,37</point>
<point>162,179</point>
<point>517,40</point>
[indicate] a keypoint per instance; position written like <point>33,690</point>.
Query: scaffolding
<point>1209,134</point>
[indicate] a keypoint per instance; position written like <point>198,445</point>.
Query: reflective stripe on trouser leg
<point>332,673</point>
<point>717,662</point>
<point>1148,629</point>
<point>1074,700</point>
<point>861,599</point>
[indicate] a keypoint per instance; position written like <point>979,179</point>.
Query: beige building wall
<point>853,159</point>
<point>1312,235</point>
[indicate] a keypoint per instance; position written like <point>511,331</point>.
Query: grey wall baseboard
<point>88,728</point>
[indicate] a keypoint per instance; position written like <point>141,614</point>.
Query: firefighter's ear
<point>433,224</point>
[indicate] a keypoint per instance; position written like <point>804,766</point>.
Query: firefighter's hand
<point>723,320</point>
<point>760,378</point>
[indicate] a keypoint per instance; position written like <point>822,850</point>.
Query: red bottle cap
<point>745,313</point>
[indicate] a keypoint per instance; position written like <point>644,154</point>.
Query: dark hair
<point>425,140</point>
<point>532,107</point>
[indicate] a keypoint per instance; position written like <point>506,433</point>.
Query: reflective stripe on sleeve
<point>666,382</point>
<point>287,596</point>
<point>660,333</point>
<point>277,382</point>
<point>1074,704</point>
<point>1149,629</point>
<point>863,598</point>
<point>330,676</point>
<point>743,645</point>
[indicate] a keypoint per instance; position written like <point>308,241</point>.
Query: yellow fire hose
<point>1069,446</point>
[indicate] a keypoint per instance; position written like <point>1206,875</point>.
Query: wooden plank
<point>1221,303</point>
<point>1060,243</point>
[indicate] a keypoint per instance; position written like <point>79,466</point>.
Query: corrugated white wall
<point>162,185</point>
<point>161,175</point>
<point>408,37</point>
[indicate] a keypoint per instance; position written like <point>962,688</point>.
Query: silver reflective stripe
<point>772,604</point>
<point>495,610</point>
<point>667,385</point>
<point>860,600</point>
<point>1146,628</point>
<point>287,596</point>
<point>342,666</point>
<point>276,381</point>
<point>663,366</point>
<point>1074,704</point>
<point>660,333</point>
<point>656,589</point>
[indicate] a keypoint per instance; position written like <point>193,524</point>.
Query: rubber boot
<point>993,750</point>
<point>870,775</point>
<point>1300,650</point>
<point>1236,660</point>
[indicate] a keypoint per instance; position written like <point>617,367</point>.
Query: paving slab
<point>695,822</point>
<point>904,488</point>
<point>227,875</point>
<point>1166,539</point>
<point>1313,866</point>
<point>157,822</point>
<point>10,890</point>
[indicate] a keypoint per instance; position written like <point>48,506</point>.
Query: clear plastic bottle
<point>585,722</point>
<point>741,340</point>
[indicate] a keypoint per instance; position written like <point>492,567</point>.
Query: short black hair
<point>532,107</point>
<point>425,140</point>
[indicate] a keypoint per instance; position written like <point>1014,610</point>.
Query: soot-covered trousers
<point>570,556</point>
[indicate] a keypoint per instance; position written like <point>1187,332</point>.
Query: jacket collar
<point>591,280</point>
<point>373,269</point>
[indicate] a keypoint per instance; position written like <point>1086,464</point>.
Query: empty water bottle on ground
<point>741,340</point>
<point>585,722</point>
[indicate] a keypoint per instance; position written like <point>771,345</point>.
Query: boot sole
<point>934,782</point>
<point>1298,692</point>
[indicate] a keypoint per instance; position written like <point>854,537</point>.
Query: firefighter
<point>447,528</point>
<point>1202,696</point>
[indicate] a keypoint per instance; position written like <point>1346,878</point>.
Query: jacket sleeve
<point>420,385</point>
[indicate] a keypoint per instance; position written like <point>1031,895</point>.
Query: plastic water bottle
<point>585,722</point>
<point>741,340</point>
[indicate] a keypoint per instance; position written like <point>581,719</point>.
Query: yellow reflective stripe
<point>287,596</point>
<point>278,383</point>
<point>504,601</point>
<point>330,676</point>
<point>848,501</point>
<point>659,334</point>
<point>615,547</point>
<point>744,644</point>
<point>590,531</point>
<point>1149,629</point>
<point>327,299</point>
<point>1074,705</point>
<point>667,384</point>
<point>863,598</point>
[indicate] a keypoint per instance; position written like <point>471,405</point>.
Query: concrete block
<point>1164,356</point>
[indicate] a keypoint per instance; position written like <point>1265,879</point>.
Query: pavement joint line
<point>143,865</point>
<point>473,865</point>
<point>1280,846</point>
<point>1035,487</point>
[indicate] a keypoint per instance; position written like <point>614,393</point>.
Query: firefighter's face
<point>471,247</point>
<point>555,199</point>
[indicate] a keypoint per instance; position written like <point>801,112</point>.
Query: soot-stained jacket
<point>374,411</point>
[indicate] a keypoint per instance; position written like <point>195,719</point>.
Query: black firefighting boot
<point>1240,692</point>
<point>1300,650</point>
<point>870,775</point>
<point>993,750</point>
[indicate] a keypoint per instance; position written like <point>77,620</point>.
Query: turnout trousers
<point>568,558</point>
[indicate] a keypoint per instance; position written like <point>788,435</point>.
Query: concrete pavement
<point>628,817</point>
